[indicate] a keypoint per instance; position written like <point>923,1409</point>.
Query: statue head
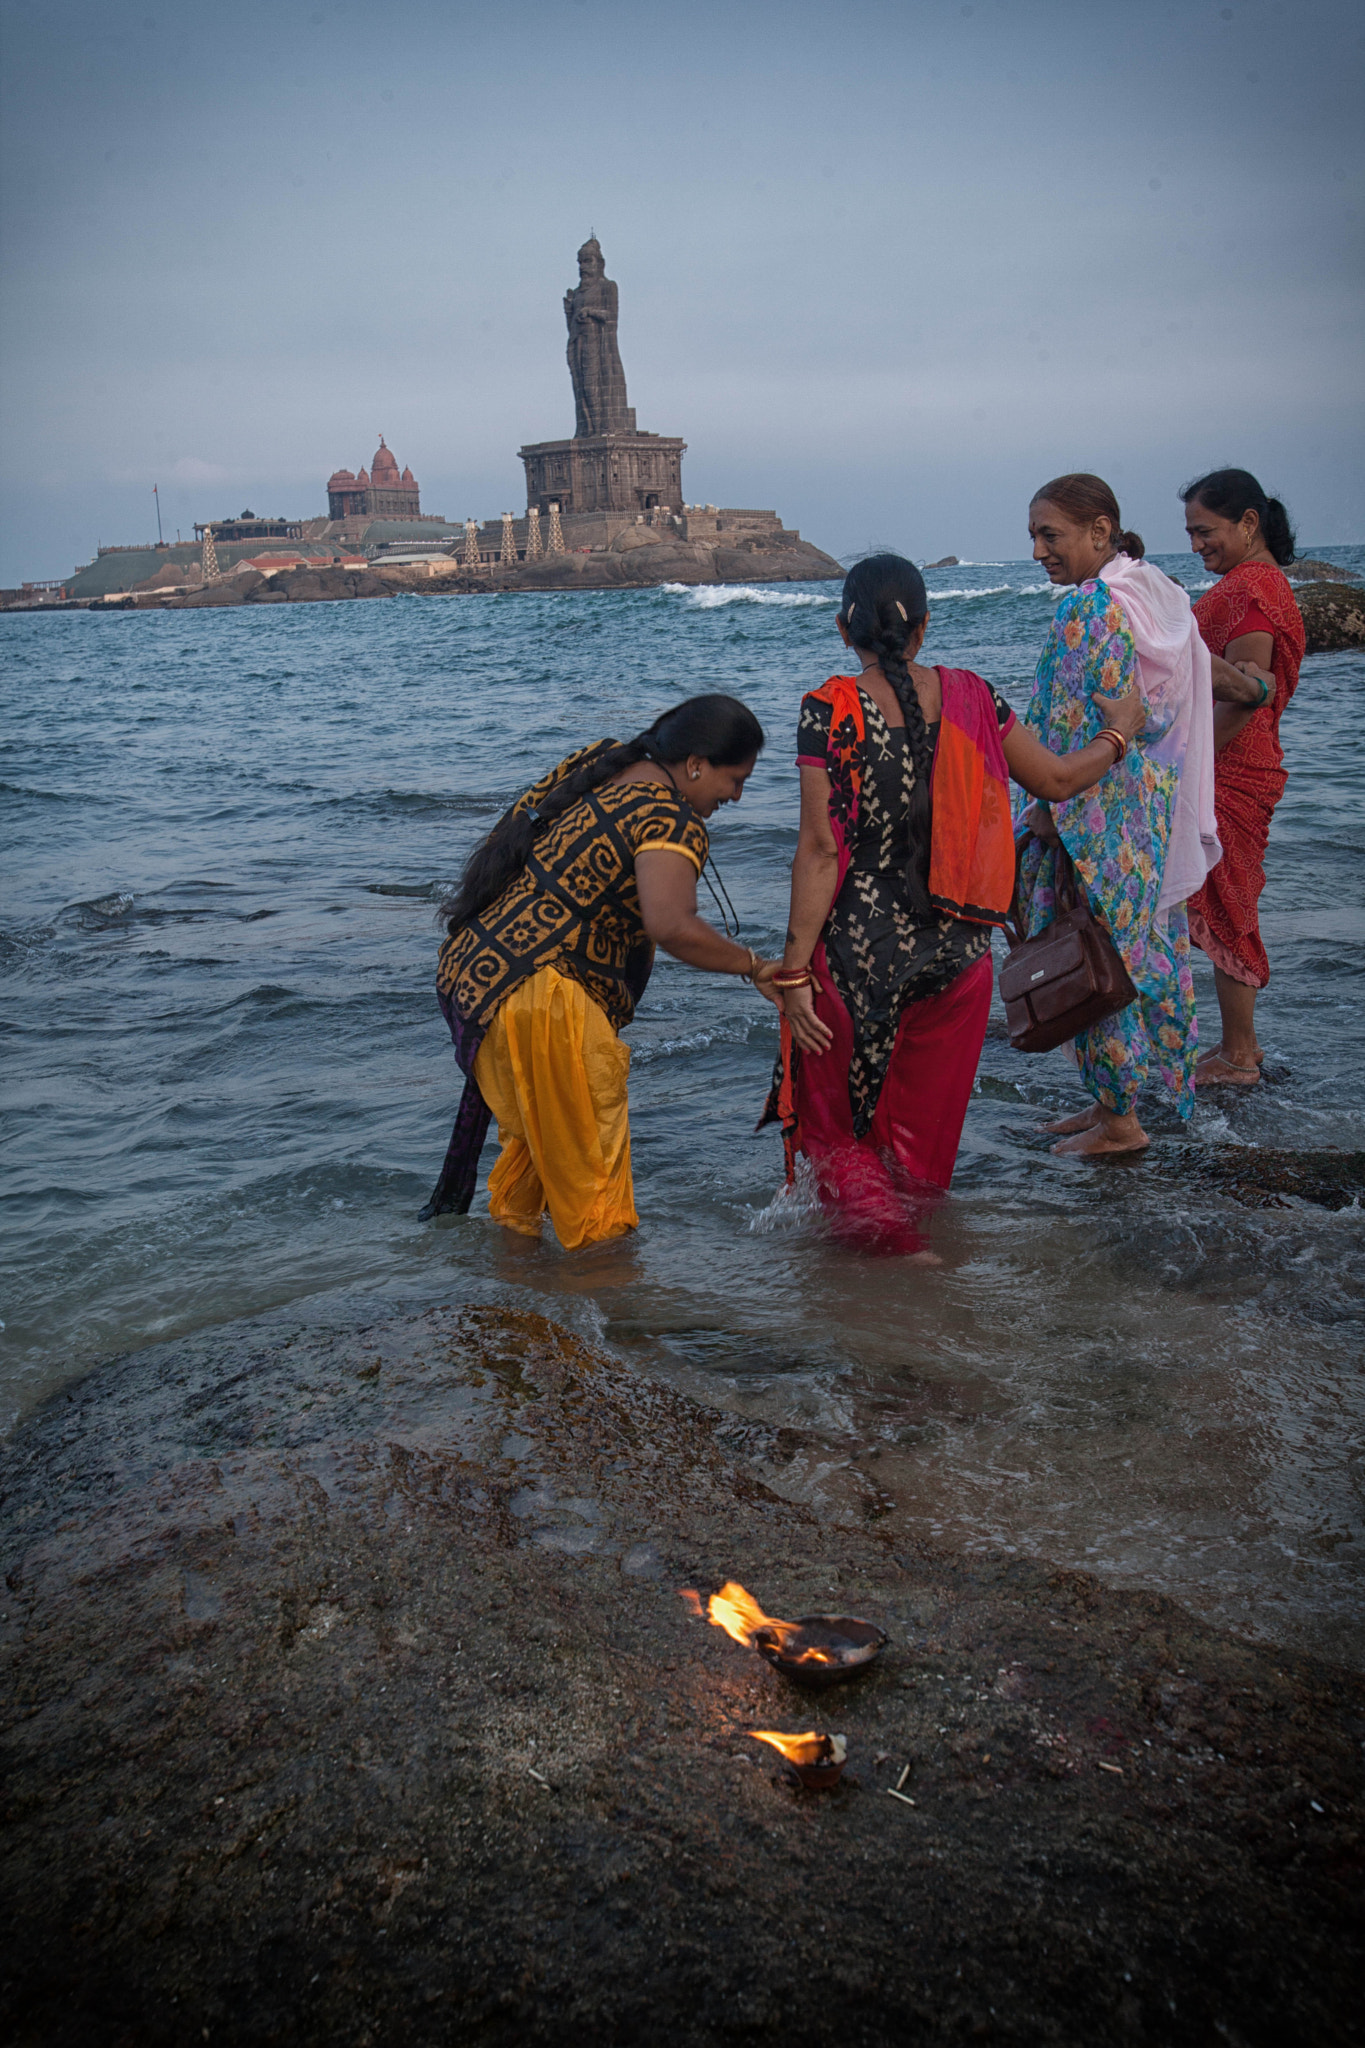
<point>591,262</point>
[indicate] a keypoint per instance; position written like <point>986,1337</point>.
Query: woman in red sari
<point>1252,628</point>
<point>904,867</point>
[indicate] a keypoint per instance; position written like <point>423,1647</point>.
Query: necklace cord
<point>726,908</point>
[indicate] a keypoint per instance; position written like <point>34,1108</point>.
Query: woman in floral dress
<point>1142,842</point>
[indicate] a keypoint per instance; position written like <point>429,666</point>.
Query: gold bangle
<point>1116,740</point>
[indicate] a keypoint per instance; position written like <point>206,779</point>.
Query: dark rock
<point>229,591</point>
<point>633,537</point>
<point>1308,570</point>
<point>1333,618</point>
<point>945,562</point>
<point>346,1696</point>
<point>1260,1178</point>
<point>799,563</point>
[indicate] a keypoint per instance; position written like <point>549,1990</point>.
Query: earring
<point>696,775</point>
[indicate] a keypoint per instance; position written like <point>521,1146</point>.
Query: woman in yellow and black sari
<point>552,938</point>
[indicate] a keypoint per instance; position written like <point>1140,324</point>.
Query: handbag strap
<point>1063,887</point>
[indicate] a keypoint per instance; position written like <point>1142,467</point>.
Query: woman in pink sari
<point>904,867</point>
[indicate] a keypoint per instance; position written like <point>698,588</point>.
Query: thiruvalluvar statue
<point>599,381</point>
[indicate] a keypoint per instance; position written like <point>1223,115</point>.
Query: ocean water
<point>228,1086</point>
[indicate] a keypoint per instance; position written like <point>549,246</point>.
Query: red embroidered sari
<point>1249,776</point>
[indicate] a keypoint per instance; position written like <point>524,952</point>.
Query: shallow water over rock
<point>229,1085</point>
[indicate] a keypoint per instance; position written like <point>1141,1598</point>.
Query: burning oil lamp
<point>815,1761</point>
<point>816,1650</point>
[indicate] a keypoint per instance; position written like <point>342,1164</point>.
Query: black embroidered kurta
<point>574,906</point>
<point>885,943</point>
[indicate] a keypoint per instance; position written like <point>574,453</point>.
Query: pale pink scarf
<point>1177,681</point>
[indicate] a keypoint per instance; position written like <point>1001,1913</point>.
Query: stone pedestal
<point>607,473</point>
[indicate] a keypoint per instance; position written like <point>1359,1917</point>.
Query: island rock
<point>1333,618</point>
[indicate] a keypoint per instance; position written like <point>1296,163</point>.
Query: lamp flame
<point>804,1750</point>
<point>740,1615</point>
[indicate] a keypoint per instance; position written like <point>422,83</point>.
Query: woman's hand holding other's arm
<point>1239,682</point>
<point>1127,714</point>
<point>762,978</point>
<point>1055,777</point>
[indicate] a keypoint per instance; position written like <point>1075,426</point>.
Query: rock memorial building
<point>378,492</point>
<point>609,466</point>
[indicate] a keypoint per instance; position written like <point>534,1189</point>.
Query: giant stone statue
<point>599,381</point>
<point>609,467</point>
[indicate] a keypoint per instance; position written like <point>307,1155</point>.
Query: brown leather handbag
<point>1067,978</point>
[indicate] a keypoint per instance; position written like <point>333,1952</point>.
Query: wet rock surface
<point>1261,1178</point>
<point>641,558</point>
<point>1310,570</point>
<point>349,1698</point>
<point>1333,616</point>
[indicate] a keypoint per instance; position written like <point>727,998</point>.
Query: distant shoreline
<point>1333,612</point>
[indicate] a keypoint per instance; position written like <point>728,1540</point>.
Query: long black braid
<point>721,729</point>
<point>884,601</point>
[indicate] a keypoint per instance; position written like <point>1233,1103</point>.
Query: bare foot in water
<point>1067,1126</point>
<point>1218,1072</point>
<point>1108,1134</point>
<point>1215,1052</point>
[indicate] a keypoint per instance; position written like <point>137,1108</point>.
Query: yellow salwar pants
<point>553,1072</point>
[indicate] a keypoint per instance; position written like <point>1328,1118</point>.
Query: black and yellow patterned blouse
<point>574,906</point>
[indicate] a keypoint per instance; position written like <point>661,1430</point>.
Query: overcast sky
<point>886,267</point>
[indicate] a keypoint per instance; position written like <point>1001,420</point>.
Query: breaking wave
<point>709,597</point>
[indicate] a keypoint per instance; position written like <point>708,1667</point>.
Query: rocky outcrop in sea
<point>1333,616</point>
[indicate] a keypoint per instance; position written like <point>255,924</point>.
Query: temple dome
<point>384,467</point>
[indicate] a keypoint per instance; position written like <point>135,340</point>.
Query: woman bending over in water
<point>552,938</point>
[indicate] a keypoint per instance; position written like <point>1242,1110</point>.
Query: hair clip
<point>901,609</point>
<point>533,814</point>
<point>849,610</point>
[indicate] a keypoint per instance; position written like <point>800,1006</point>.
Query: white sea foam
<point>998,590</point>
<point>708,597</point>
